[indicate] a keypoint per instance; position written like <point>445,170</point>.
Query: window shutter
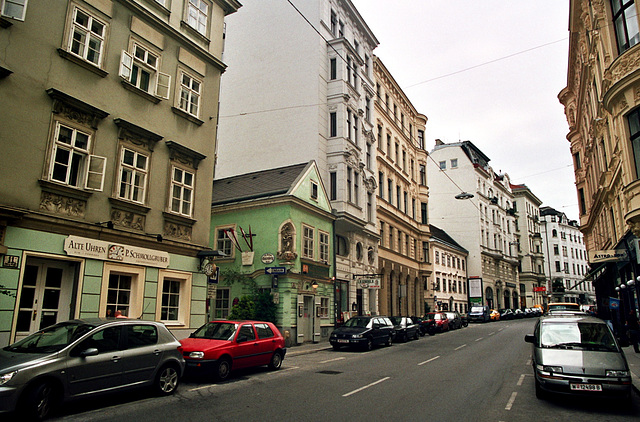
<point>163,84</point>
<point>95,173</point>
<point>126,64</point>
<point>15,9</point>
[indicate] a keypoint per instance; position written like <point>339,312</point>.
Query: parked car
<point>455,319</point>
<point>478,314</point>
<point>405,328</point>
<point>530,312</point>
<point>518,313</point>
<point>562,307</point>
<point>86,357</point>
<point>222,346</point>
<point>437,322</point>
<point>363,332</point>
<point>494,315</point>
<point>578,354</point>
<point>421,323</point>
<point>506,314</point>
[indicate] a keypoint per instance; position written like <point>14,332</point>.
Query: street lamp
<point>464,195</point>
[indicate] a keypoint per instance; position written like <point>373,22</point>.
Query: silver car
<point>83,357</point>
<point>578,354</point>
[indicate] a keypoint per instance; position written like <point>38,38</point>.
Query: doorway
<point>45,295</point>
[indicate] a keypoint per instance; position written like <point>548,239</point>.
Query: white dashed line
<point>511,400</point>
<point>521,380</point>
<point>427,361</point>
<point>478,339</point>
<point>332,360</point>
<point>365,387</point>
<point>460,347</point>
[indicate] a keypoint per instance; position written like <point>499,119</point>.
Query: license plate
<point>343,341</point>
<point>586,387</point>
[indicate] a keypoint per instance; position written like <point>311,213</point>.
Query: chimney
<point>439,142</point>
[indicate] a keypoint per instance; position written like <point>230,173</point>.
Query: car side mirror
<point>530,338</point>
<point>92,351</point>
<point>241,339</point>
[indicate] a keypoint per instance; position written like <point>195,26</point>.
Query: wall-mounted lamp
<point>464,195</point>
<point>107,224</point>
<point>314,285</point>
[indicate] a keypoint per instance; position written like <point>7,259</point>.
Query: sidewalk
<point>633,359</point>
<point>306,348</point>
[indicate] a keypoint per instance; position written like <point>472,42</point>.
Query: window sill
<point>189,117</point>
<point>64,190</point>
<point>5,23</point>
<point>124,205</point>
<point>83,63</point>
<point>179,219</point>
<point>144,94</point>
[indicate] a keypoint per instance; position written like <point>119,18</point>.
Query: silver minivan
<point>84,357</point>
<point>578,354</point>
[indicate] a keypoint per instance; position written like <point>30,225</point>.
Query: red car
<point>221,346</point>
<point>437,322</point>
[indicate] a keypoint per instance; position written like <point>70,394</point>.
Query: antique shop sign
<point>115,252</point>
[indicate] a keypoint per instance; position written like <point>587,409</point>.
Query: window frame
<point>180,87</point>
<point>183,187</point>
<point>136,296</point>
<point>18,4</point>
<point>207,15</point>
<point>159,83</point>
<point>221,242</point>
<point>308,242</point>
<point>71,31</point>
<point>323,246</point>
<point>122,166</point>
<point>184,281</point>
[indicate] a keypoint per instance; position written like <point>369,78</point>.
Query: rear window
<point>477,309</point>
<point>264,331</point>
<point>576,335</point>
<point>564,307</point>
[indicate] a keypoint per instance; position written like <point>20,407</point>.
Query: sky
<point>489,72</point>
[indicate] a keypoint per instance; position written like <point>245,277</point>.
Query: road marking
<point>501,329</point>
<point>520,381</point>
<point>365,387</point>
<point>427,361</point>
<point>511,400</point>
<point>332,360</point>
<point>478,339</point>
<point>203,387</point>
<point>492,333</point>
<point>460,347</point>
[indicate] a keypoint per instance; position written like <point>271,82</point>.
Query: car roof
<point>239,321</point>
<point>570,317</point>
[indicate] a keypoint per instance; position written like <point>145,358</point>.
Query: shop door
<point>45,297</point>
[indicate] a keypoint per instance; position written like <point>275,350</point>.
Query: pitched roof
<point>442,236</point>
<point>259,184</point>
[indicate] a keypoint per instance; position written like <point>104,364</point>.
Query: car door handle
<point>157,352</point>
<point>116,358</point>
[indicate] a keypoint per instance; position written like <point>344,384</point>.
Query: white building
<point>482,223</point>
<point>300,87</point>
<point>449,278</point>
<point>566,257</point>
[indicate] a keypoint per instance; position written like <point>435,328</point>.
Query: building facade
<point>567,261</point>
<point>300,88</point>
<point>461,179</point>
<point>448,282</point>
<point>602,107</point>
<point>526,208</point>
<point>274,229</point>
<point>402,198</point>
<point>108,159</point>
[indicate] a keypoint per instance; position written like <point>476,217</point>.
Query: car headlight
<point>196,355</point>
<point>5,378</point>
<point>616,373</point>
<point>356,335</point>
<point>549,368</point>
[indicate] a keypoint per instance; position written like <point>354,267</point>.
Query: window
<point>420,139</point>
<point>334,23</point>
<point>333,185</point>
<point>454,163</point>
<point>15,9</point>
<point>264,331</point>
<point>133,175</point>
<point>141,335</point>
<point>634,131</point>
<point>390,191</point>
<point>443,165</point>
<point>189,94</point>
<point>314,190</point>
<point>437,257</point>
<point>342,246</point>
<point>349,185</point>
<point>625,20</point>
<point>223,242</point>
<point>221,309</point>
<point>197,13</point>
<point>333,124</point>
<point>170,300</point>
<point>87,37</point>
<point>423,175</point>
<point>324,246</point>
<point>556,250</point>
<point>369,207</point>
<point>307,242</point>
<point>181,191</point>
<point>333,69</point>
<point>140,69</point>
<point>558,266</point>
<point>119,294</point>
<point>423,213</point>
<point>381,184</point>
<point>323,310</point>
<point>71,163</point>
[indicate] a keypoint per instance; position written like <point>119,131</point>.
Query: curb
<point>291,351</point>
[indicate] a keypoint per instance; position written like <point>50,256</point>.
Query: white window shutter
<point>163,85</point>
<point>126,64</point>
<point>95,173</point>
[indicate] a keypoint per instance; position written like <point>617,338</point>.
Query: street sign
<point>275,270</point>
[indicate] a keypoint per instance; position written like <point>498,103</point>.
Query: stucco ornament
<point>287,241</point>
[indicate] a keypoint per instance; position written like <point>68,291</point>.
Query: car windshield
<point>216,331</point>
<point>577,335</point>
<point>477,309</point>
<point>51,339</point>
<point>357,322</point>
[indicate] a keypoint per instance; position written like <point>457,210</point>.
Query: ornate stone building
<point>404,264</point>
<point>602,106</point>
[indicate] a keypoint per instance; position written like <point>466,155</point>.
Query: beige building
<point>108,131</point>
<point>449,278</point>
<point>530,246</point>
<point>601,105</point>
<point>403,251</point>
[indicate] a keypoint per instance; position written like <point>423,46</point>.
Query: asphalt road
<point>479,373</point>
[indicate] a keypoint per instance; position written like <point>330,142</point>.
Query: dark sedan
<point>455,320</point>
<point>363,332</point>
<point>405,328</point>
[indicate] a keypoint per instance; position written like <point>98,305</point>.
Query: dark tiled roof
<point>444,237</point>
<point>259,184</point>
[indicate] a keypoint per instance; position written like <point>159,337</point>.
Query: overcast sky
<point>487,71</point>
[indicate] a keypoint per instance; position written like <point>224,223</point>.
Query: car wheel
<point>389,341</point>
<point>416,336</point>
<point>167,380</point>
<point>405,337</point>
<point>276,361</point>
<point>223,369</point>
<point>335,347</point>
<point>39,402</point>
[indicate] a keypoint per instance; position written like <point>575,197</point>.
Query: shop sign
<point>368,283</point>
<point>115,252</point>
<point>607,256</point>
<point>540,289</point>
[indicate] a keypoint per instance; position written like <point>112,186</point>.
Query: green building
<point>275,227</point>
